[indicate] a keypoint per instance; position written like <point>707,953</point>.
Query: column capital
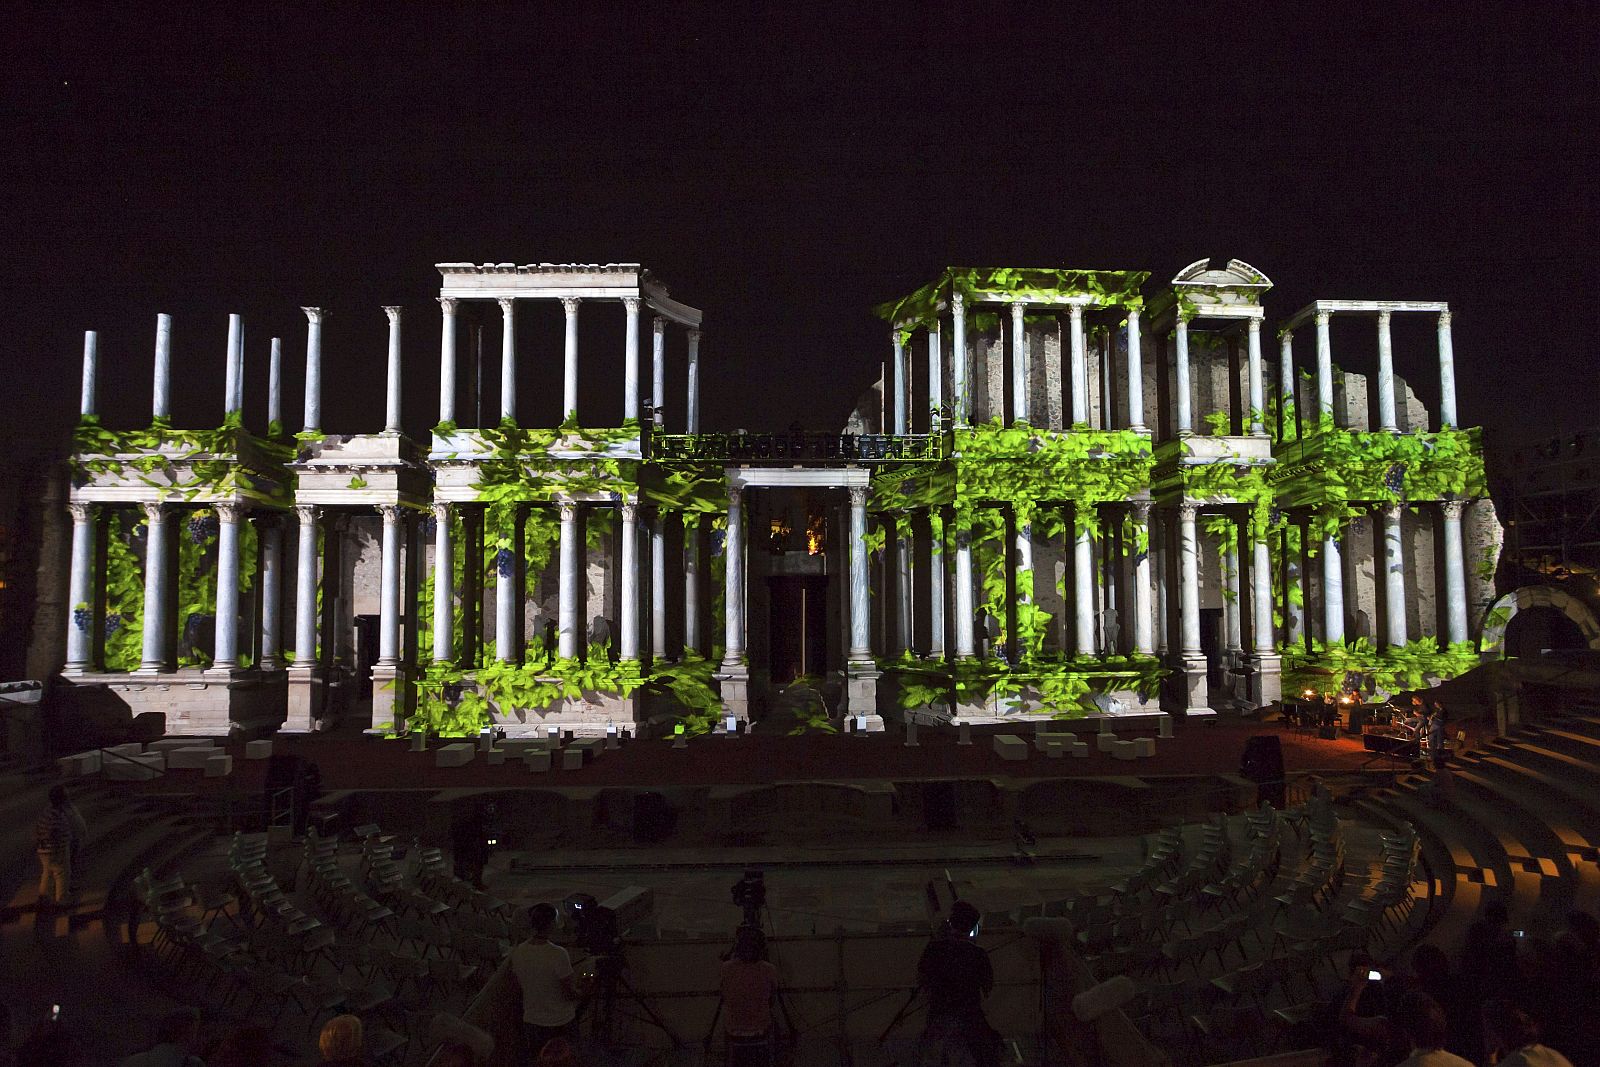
<point>155,511</point>
<point>694,333</point>
<point>1253,325</point>
<point>306,513</point>
<point>569,510</point>
<point>393,311</point>
<point>507,304</point>
<point>632,304</point>
<point>1286,338</point>
<point>1383,318</point>
<point>1180,325</point>
<point>858,496</point>
<point>440,510</point>
<point>1453,507</point>
<point>1133,315</point>
<point>229,512</point>
<point>1188,511</point>
<point>1141,510</point>
<point>1444,319</point>
<point>1322,318</point>
<point>390,513</point>
<point>630,511</point>
<point>315,315</point>
<point>569,304</point>
<point>1074,312</point>
<point>1391,510</point>
<point>447,304</point>
<point>82,511</point>
<point>735,495</point>
<point>958,302</point>
<point>658,325</point>
<point>1020,307</point>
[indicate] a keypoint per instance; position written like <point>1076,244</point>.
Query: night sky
<point>784,170</point>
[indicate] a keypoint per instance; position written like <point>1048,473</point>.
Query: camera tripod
<point>612,985</point>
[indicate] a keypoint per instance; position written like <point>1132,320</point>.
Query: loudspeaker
<point>939,805</point>
<point>1327,733</point>
<point>653,818</point>
<point>1263,764</point>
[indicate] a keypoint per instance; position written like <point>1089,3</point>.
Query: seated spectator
<point>453,1054</point>
<point>1420,1018</point>
<point>1511,1038</point>
<point>748,983</point>
<point>343,1042</point>
<point>177,1035</point>
<point>557,1052</point>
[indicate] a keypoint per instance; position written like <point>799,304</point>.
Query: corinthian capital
<point>858,496</point>
<point>569,510</point>
<point>569,304</point>
<point>630,512</point>
<point>394,314</point>
<point>81,511</point>
<point>1188,511</point>
<point>315,315</point>
<point>1322,317</point>
<point>155,512</point>
<point>1453,507</point>
<point>1141,511</point>
<point>508,305</point>
<point>390,512</point>
<point>447,304</point>
<point>694,335</point>
<point>659,325</point>
<point>632,304</point>
<point>441,511</point>
<point>958,302</point>
<point>229,512</point>
<point>306,513</point>
<point>1444,319</point>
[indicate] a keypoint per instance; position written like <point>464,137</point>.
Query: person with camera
<point>543,971</point>
<point>749,983</point>
<point>955,975</point>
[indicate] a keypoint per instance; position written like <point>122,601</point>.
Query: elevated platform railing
<point>798,446</point>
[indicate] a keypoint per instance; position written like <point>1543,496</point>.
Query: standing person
<point>955,975</point>
<point>1437,730</point>
<point>1512,1038</point>
<point>748,984</point>
<point>543,971</point>
<point>52,840</point>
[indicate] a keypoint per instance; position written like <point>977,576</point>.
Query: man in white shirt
<point>544,974</point>
<point>1513,1038</point>
<point>1422,1020</point>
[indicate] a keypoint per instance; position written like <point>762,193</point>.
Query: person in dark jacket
<point>52,840</point>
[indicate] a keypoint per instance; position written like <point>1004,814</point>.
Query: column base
<point>1266,677</point>
<point>225,673</point>
<point>1191,691</point>
<point>390,696</point>
<point>861,693</point>
<point>733,685</point>
<point>305,698</point>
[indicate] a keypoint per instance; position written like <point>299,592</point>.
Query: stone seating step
<point>1494,867</point>
<point>1559,800</point>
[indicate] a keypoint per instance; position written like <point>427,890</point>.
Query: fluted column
<point>1261,596</point>
<point>1181,377</point>
<point>935,377</point>
<point>966,647</point>
<point>233,387</point>
<point>733,584</point>
<point>692,401</point>
<point>1455,573</point>
<point>1143,640</point>
<point>391,418</point>
<point>507,598</point>
<point>961,402</point>
<point>904,637</point>
<point>691,582</point>
<point>569,361</point>
<point>1288,415</point>
<point>305,589</point>
<point>447,360</point>
<point>1188,583</point>
<point>629,647</point>
<point>1324,366</point>
<point>444,585</point>
<point>508,373</point>
<point>1332,591</point>
<point>1161,552</point>
<point>897,379</point>
<point>936,580</point>
<point>630,358</point>
<point>1387,416</point>
<point>270,530</point>
<point>389,588</point>
<point>658,373</point>
<point>1258,392</point>
<point>155,656</point>
<point>1135,377</point>
<point>227,623</point>
<point>1394,577</point>
<point>1083,588</point>
<point>860,592</point>
<point>275,388</point>
<point>161,393</point>
<point>568,622</point>
<point>1019,363</point>
<point>658,586</point>
<point>1233,602</point>
<point>1078,368</point>
<point>80,580</point>
<point>1447,373</point>
<point>313,402</point>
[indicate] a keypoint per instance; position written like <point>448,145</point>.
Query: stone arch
<point>1491,642</point>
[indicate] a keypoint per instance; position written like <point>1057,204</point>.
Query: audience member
<point>955,975</point>
<point>1363,1026</point>
<point>543,971</point>
<point>49,1044</point>
<point>343,1041</point>
<point>177,1036</point>
<point>248,1046</point>
<point>1420,1018</point>
<point>557,1052</point>
<point>1511,1038</point>
<point>453,1054</point>
<point>52,840</point>
<point>748,983</point>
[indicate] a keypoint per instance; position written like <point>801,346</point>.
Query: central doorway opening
<point>797,626</point>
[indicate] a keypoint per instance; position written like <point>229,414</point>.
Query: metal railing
<point>799,446</point>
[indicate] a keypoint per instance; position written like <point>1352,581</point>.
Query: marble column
<point>444,585</point>
<point>305,589</point>
<point>1078,368</point>
<point>1135,377</point>
<point>1288,413</point>
<point>1184,398</point>
<point>630,358</point>
<point>1020,377</point>
<point>275,388</point>
<point>691,583</point>
<point>897,372</point>
<point>91,360</point>
<point>161,394</point>
<point>733,584</point>
<point>1455,573</point>
<point>508,384</point>
<point>1161,548</point>
<point>1332,591</point>
<point>936,594</point>
<point>270,531</point>
<point>569,621</point>
<point>1447,373</point>
<point>658,373</point>
<point>860,591</point>
<point>391,418</point>
<point>227,621</point>
<point>1294,579</point>
<point>80,586</point>
<point>658,587</point>
<point>313,402</point>
<point>935,378</point>
<point>1267,679</point>
<point>1394,577</point>
<point>903,633</point>
<point>1233,603</point>
<point>1324,366</point>
<point>961,403</point>
<point>447,360</point>
<point>1258,392</point>
<point>389,588</point>
<point>966,647</point>
<point>155,655</point>
<point>1143,640</point>
<point>628,650</point>
<point>1387,417</point>
<point>1083,589</point>
<point>1188,583</point>
<point>233,386</point>
<point>569,361</point>
<point>507,597</point>
<point>692,401</point>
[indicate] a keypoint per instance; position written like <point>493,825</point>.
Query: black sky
<point>784,169</point>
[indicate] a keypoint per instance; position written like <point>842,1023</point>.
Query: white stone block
<point>680,741</point>
<point>257,749</point>
<point>220,765</point>
<point>131,748</point>
<point>964,733</point>
<point>495,756</point>
<point>911,734</point>
<point>571,759</point>
<point>79,764</point>
<point>172,744</point>
<point>458,754</point>
<point>485,741</point>
<point>1146,746</point>
<point>537,760</point>
<point>1124,750</point>
<point>731,726</point>
<point>1165,722</point>
<point>1055,749</point>
<point>611,737</point>
<point>1104,742</point>
<point>419,742</point>
<point>189,759</point>
<point>1010,747</point>
<point>135,768</point>
<point>1080,749</point>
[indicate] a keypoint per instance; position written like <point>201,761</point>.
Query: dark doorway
<point>1211,644</point>
<point>797,629</point>
<point>1532,630</point>
<point>366,627</point>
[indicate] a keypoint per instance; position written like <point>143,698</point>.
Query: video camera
<point>750,894</point>
<point>595,926</point>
